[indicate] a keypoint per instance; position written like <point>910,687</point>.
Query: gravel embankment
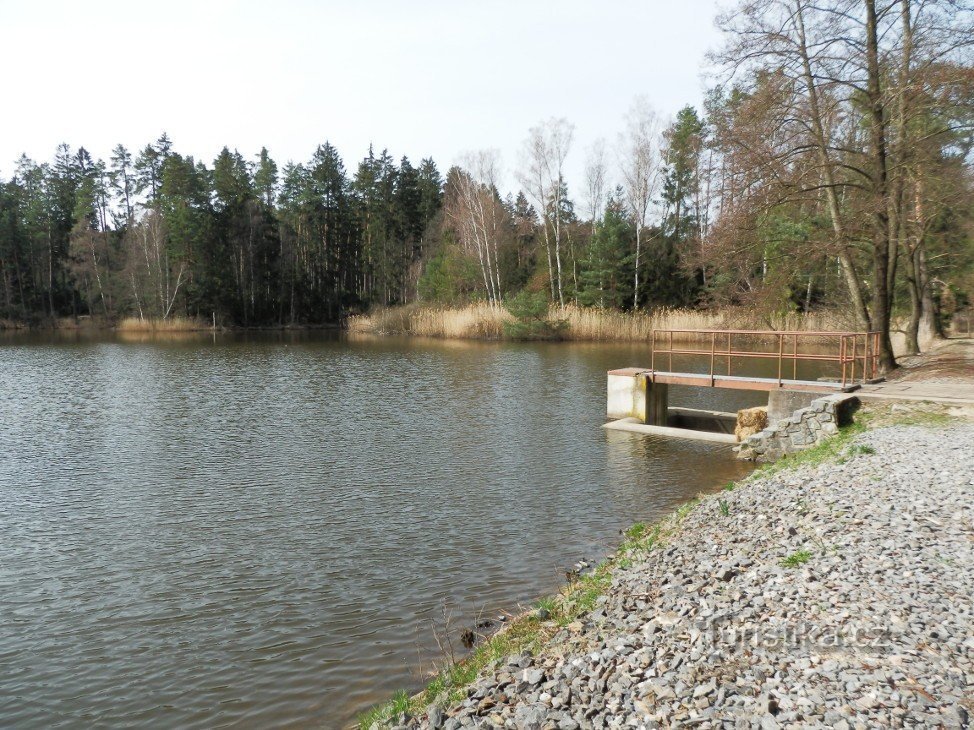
<point>839,595</point>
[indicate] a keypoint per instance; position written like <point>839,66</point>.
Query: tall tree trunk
<point>635,293</point>
<point>551,267</point>
<point>930,329</point>
<point>561,296</point>
<point>900,148</point>
<point>94,263</point>
<point>849,273</point>
<point>882,294</point>
<point>916,303</point>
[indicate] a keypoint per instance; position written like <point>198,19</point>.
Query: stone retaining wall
<point>805,428</point>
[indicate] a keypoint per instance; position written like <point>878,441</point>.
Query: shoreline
<point>496,682</point>
<point>577,324</point>
<point>158,327</point>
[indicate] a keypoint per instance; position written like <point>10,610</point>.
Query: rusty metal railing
<point>855,353</point>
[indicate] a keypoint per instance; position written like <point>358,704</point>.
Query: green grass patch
<point>796,559</point>
<point>399,704</point>
<point>684,509</point>
<point>724,507</point>
<point>921,418</point>
<point>548,604</point>
<point>636,531</point>
<point>920,413</point>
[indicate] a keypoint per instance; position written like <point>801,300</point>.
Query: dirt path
<point>952,361</point>
<point>943,375</point>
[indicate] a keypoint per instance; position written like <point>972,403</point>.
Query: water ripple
<point>216,532</point>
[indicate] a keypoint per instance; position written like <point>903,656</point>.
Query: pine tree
<point>122,180</point>
<point>606,273</point>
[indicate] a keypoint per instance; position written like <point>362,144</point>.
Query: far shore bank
<point>480,321</point>
<point>153,325</point>
<point>585,324</point>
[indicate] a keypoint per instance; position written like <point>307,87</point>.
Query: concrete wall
<point>631,394</point>
<point>806,427</point>
<point>782,403</point>
<point>626,394</point>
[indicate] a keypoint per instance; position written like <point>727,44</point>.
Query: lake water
<point>265,530</point>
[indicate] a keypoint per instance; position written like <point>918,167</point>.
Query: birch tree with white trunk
<point>478,215</point>
<point>640,166</point>
<point>542,175</point>
<point>596,181</point>
<point>155,275</point>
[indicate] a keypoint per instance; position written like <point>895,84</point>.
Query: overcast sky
<point>420,77</point>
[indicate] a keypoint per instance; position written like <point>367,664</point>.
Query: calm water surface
<point>263,531</point>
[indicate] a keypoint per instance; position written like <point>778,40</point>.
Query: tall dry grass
<point>475,321</point>
<point>481,321</point>
<point>170,324</point>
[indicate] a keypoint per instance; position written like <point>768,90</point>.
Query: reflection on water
<point>213,530</point>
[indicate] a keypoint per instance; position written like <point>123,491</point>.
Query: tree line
<point>829,166</point>
<point>158,234</point>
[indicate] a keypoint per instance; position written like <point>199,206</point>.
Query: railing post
<point>652,353</point>
<point>842,339</point>
<point>728,353</point>
<point>671,351</point>
<point>794,362</point>
<point>855,350</point>
<point>867,358</point>
<point>781,352</point>
<point>713,348</point>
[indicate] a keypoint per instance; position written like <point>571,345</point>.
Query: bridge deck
<point>736,382</point>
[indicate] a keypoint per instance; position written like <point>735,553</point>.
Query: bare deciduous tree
<point>596,181</point>
<point>477,212</point>
<point>844,119</point>
<point>542,175</point>
<point>154,274</point>
<point>640,165</point>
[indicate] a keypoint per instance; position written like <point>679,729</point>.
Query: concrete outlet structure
<point>638,402</point>
<point>637,397</point>
<point>632,394</point>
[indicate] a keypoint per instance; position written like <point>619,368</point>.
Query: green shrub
<point>531,320</point>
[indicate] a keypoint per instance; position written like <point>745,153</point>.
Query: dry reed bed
<point>482,321</point>
<point>171,324</point>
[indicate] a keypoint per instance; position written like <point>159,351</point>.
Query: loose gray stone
<point>724,627</point>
